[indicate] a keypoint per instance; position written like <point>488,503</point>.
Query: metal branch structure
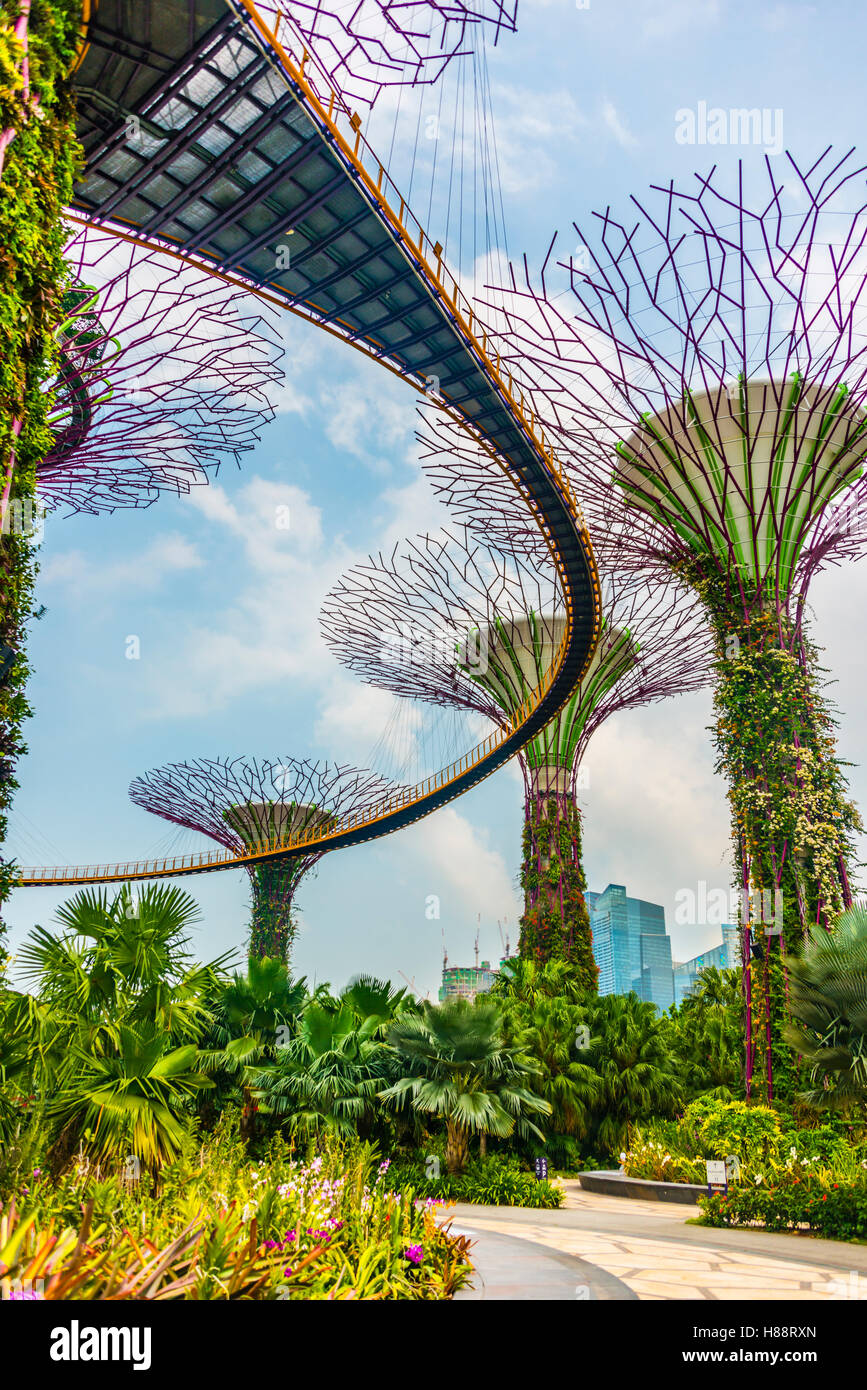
<point>702,368</point>
<point>246,804</point>
<point>470,480</point>
<point>164,372</point>
<point>448,620</point>
<point>373,44</point>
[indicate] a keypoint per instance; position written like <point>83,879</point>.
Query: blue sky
<point>226,606</point>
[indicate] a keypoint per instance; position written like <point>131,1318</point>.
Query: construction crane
<point>411,983</point>
<point>504,937</point>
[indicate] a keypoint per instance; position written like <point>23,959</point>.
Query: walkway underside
<point>211,137</point>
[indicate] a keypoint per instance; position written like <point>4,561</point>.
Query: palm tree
<point>113,1027</point>
<point>637,1076</point>
<point>129,1097</point>
<point>337,1062</point>
<point>706,1034</point>
<point>254,1014</point>
<point>460,1068</point>
<point>828,1003</point>
<point>14,1064</point>
<point>526,981</point>
<point>551,1031</point>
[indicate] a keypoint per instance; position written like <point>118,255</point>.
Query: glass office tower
<point>631,947</point>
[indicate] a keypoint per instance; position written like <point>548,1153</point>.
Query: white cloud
<point>615,124</point>
<point>367,417</point>
<point>353,715</point>
<point>780,18</point>
<point>655,815</point>
<point>457,860</point>
<point>267,634</point>
<point>665,19</point>
<point>164,556</point>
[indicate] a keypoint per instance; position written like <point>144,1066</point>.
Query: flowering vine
<point>792,821</point>
<point>556,922</point>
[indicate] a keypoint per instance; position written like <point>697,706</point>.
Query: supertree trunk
<point>791,820</point>
<point>556,923</point>
<point>272,926</point>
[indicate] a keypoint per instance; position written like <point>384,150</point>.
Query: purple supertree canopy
<point>448,620</point>
<point>365,46</point>
<point>703,362</point>
<point>247,805</point>
<point>164,372</point>
<point>244,803</point>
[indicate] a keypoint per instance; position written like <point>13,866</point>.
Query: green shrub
<point>656,1153</point>
<point>838,1211</point>
<point>720,1128</point>
<point>493,1181</point>
<point>771,1150</point>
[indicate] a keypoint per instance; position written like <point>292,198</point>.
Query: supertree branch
<point>448,620</point>
<point>475,485</point>
<point>246,804</point>
<point>370,45</point>
<point>407,621</point>
<point>162,374</point>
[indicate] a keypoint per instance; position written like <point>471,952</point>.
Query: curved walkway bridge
<point>212,137</point>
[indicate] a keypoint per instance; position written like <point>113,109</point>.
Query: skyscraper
<point>724,957</point>
<point>631,947</point>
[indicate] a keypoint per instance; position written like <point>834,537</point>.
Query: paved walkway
<point>599,1247</point>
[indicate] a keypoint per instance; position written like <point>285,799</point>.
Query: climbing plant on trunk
<point>37,50</point>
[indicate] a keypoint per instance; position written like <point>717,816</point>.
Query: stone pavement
<point>616,1248</point>
<point>507,1267</point>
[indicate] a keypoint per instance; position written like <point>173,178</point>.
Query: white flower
<point>759,1179</point>
<point>622,1157</point>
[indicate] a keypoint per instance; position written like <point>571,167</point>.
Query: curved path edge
<point>510,1268</point>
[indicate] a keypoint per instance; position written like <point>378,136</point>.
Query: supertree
<point>162,373</point>
<point>372,44</point>
<point>247,804</point>
<point>448,620</point>
<point>702,369</point>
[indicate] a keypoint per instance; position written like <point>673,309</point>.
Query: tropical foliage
<point>828,1004</point>
<point>770,1147</point>
<point>266,1140</point>
<point>497,1180</point>
<point>706,1035</point>
<point>328,1227</point>
<point>460,1068</point>
<point>337,1061</point>
<point>109,1038</point>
